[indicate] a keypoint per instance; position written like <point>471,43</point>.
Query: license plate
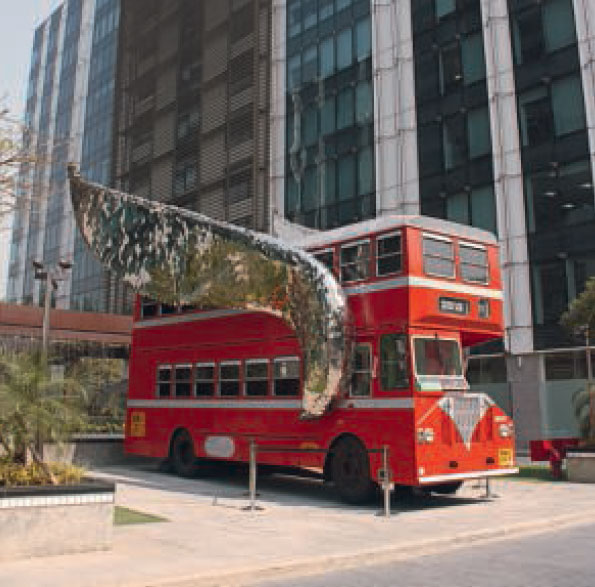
<point>505,457</point>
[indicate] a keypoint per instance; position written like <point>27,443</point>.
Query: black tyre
<point>446,488</point>
<point>183,459</point>
<point>350,471</point>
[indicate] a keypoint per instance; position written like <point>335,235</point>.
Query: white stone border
<point>54,500</point>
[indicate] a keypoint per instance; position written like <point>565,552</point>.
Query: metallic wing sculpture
<point>183,258</point>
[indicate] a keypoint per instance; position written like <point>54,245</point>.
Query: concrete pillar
<point>508,176</point>
<point>526,378</point>
<point>395,120</point>
<point>584,11</point>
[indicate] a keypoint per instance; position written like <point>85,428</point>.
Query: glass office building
<point>292,115</point>
<point>69,111</point>
<point>477,111</point>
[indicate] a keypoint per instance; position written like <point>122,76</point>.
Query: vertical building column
<point>395,121</point>
<point>75,142</point>
<point>508,176</point>
<point>44,185</point>
<point>277,147</point>
<point>584,13</point>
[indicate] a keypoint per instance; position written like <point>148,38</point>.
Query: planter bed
<point>49,520</point>
<point>580,465</point>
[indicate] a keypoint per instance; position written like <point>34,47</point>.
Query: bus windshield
<point>434,356</point>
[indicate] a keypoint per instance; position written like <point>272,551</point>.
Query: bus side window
<point>163,380</point>
<point>183,380</point>
<point>287,376</point>
<point>257,377</point>
<point>229,378</point>
<point>393,361</point>
<point>204,381</point>
<point>362,371</point>
<point>355,261</point>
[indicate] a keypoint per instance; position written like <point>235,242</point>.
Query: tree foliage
<point>581,312</point>
<point>581,316</point>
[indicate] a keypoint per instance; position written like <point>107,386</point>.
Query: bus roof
<point>384,223</point>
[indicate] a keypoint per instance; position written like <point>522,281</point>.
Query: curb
<point>322,564</point>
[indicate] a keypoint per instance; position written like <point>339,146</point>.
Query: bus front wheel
<point>183,458</point>
<point>350,471</point>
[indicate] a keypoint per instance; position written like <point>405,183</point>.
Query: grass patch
<point>536,473</point>
<point>125,516</point>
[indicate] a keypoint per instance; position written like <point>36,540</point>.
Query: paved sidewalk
<point>303,528</point>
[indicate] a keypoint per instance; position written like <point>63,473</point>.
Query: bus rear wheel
<point>183,459</point>
<point>350,471</point>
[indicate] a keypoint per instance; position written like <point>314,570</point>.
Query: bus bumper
<point>434,479</point>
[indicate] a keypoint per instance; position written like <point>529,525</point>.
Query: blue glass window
<point>363,38</point>
<point>345,110</point>
<point>344,49</point>
<point>327,57</point>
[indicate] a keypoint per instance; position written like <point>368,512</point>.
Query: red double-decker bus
<point>204,384</point>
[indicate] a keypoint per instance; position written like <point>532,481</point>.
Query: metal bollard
<point>387,481</point>
<point>252,480</point>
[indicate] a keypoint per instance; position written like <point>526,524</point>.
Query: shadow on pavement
<point>225,482</point>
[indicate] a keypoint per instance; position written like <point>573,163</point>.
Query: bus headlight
<point>505,430</point>
<point>425,436</point>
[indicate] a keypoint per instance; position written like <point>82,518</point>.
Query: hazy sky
<point>18,22</point>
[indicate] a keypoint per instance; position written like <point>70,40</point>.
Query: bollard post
<point>387,481</point>
<point>252,480</point>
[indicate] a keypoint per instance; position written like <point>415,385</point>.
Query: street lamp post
<point>51,276</point>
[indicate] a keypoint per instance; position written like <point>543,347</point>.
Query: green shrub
<point>15,475</point>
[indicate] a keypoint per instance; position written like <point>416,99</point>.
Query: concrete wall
<point>52,525</point>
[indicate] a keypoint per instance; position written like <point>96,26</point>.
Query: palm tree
<point>34,407</point>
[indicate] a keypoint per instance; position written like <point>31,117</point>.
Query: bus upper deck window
<point>229,378</point>
<point>204,381</point>
<point>325,257</point>
<point>355,261</point>
<point>149,308</point>
<point>388,254</point>
<point>439,256</point>
<point>257,377</point>
<point>163,380</point>
<point>287,376</point>
<point>474,263</point>
<point>394,373</point>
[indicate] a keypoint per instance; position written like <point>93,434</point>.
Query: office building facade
<point>326,112</point>
<point>68,111</point>
<point>193,106</point>
<point>478,111</point>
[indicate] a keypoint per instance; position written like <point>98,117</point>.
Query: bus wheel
<point>446,488</point>
<point>350,471</point>
<point>183,458</point>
